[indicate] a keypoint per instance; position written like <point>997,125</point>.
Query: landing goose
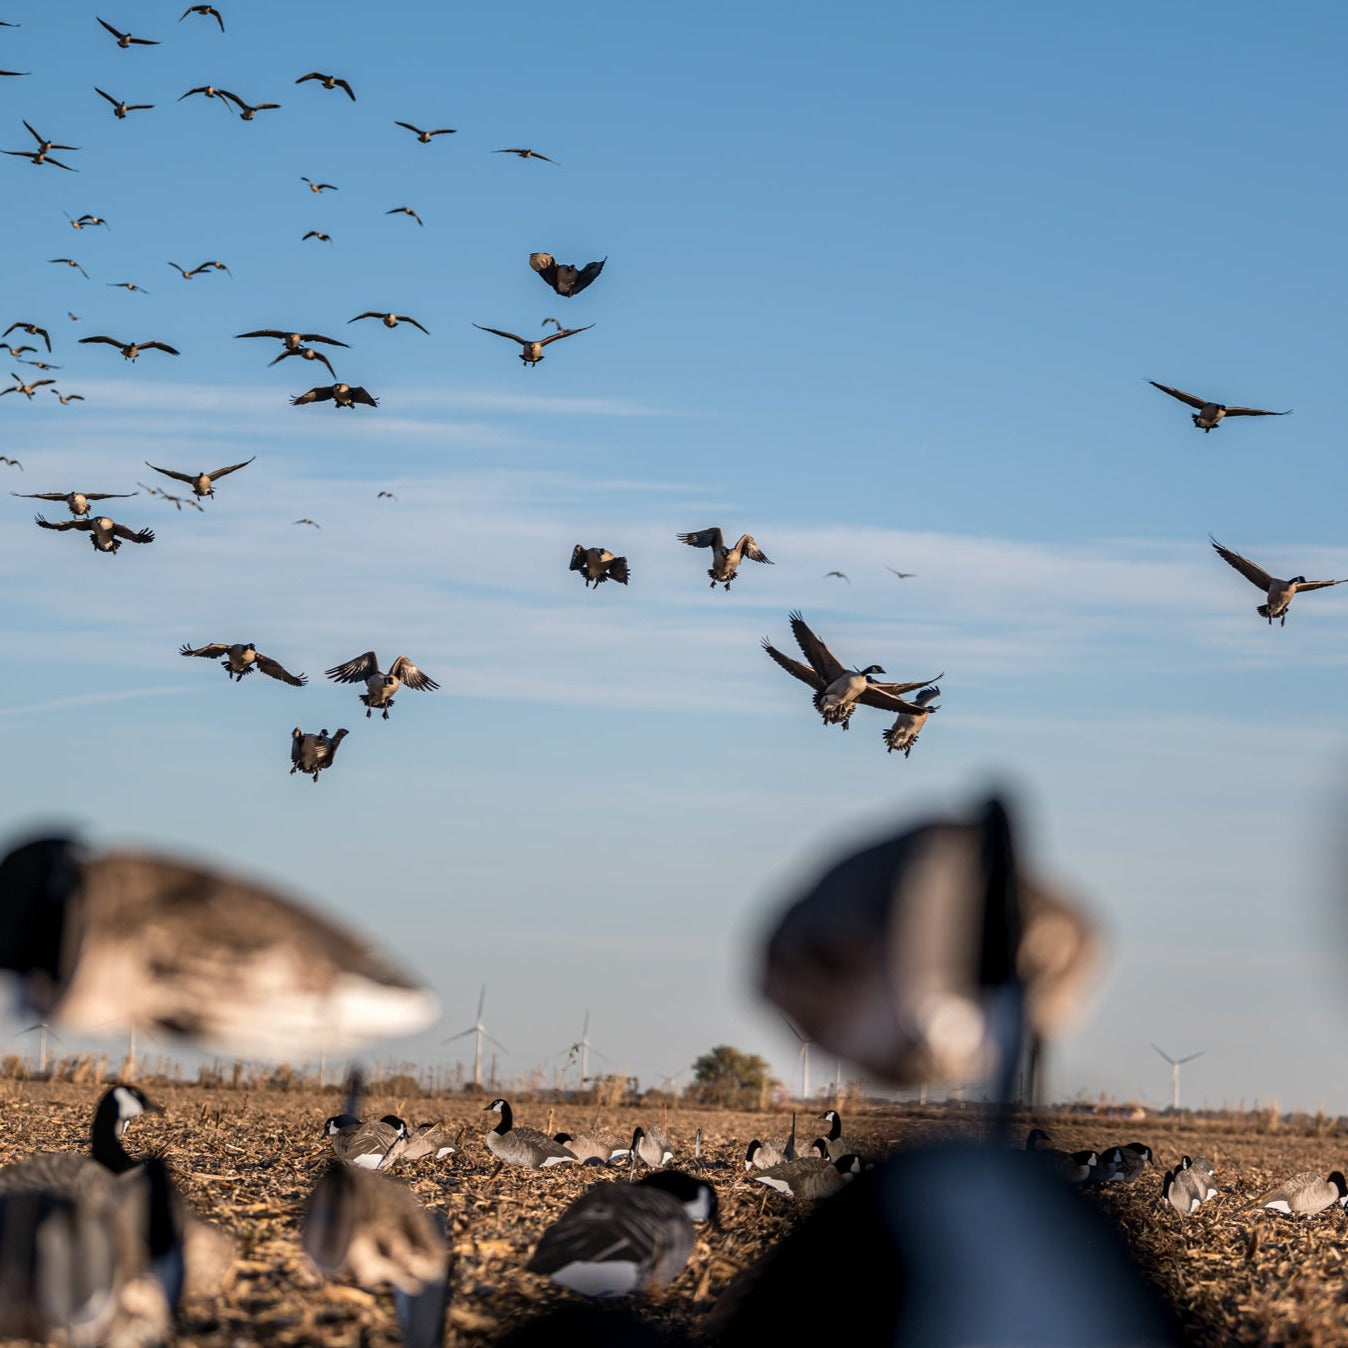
<point>598,565</point>
<point>902,735</point>
<point>201,483</point>
<point>1210,415</point>
<point>1279,592</point>
<point>531,350</point>
<point>242,657</point>
<point>310,753</point>
<point>106,535</point>
<point>130,350</point>
<point>527,1147</point>
<point>76,501</point>
<point>725,561</point>
<point>564,278</point>
<point>341,395</point>
<point>305,353</point>
<point>380,687</point>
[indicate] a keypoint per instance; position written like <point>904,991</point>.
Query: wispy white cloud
<point>91,700</point>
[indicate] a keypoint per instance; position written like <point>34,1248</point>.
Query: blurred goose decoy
<point>207,11</point>
<point>120,107</point>
<point>431,1139</point>
<point>306,353</point>
<point>1210,414</point>
<point>1076,1167</point>
<point>329,82</point>
<point>902,735</point>
<point>1305,1194</point>
<point>598,565</point>
<point>565,279</point>
<point>26,389</point>
<point>130,350</point>
<point>292,340</point>
<point>30,330</point>
<point>341,395</point>
<point>531,351</point>
<point>310,753</point>
<point>405,210</point>
<point>380,687</point>
<point>201,483</point>
<point>425,136</point>
<point>837,1143</point>
<point>528,1147</point>
<point>621,1238</point>
<point>1279,592</point>
<point>725,561</point>
<point>366,1145</point>
<point>768,1152</point>
<point>76,501</point>
<point>372,1229</point>
<point>106,535</point>
<point>527,154</point>
<point>592,1147</point>
<point>651,1147</point>
<point>1124,1164</point>
<point>838,690</point>
<point>810,1177</point>
<point>389,320</point>
<point>129,938</point>
<point>125,40</point>
<point>242,657</point>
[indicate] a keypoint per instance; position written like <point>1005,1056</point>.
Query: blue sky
<point>884,289</point>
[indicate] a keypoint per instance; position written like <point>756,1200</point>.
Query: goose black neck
<point>105,1142</point>
<point>37,882</point>
<point>506,1121</point>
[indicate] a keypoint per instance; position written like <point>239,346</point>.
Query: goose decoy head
<point>337,1122</point>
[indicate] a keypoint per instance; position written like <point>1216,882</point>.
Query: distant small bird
<point>130,350</point>
<point>125,285</point>
<point>74,318</point>
<point>70,262</point>
<point>526,154</point>
<point>1279,592</point>
<point>242,657</point>
<point>40,157</point>
<point>310,754</point>
<point>210,91</point>
<point>209,11</point>
<point>425,136</point>
<point>319,235</point>
<point>247,110</point>
<point>307,520</point>
<point>842,575</point>
<point>556,323</point>
<point>598,565</point>
<point>405,210</point>
<point>43,144</point>
<point>84,220</point>
<point>389,494</point>
<point>76,501</point>
<point>329,82</point>
<point>532,351</point>
<point>31,330</point>
<point>201,483</point>
<point>1209,414</point>
<point>902,575</point>
<point>26,389</point>
<point>306,353</point>
<point>341,394</point>
<point>67,398</point>
<point>564,278</point>
<point>319,187</point>
<point>13,463</point>
<point>293,340</point>
<point>196,271</point>
<point>17,351</point>
<point>106,535</point>
<point>388,320</point>
<point>380,687</point>
<point>120,107</point>
<point>177,502</point>
<point>125,39</point>
<point>725,562</point>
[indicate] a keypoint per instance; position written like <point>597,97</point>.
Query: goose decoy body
<point>763,1155</point>
<point>838,690</point>
<point>120,107</point>
<point>76,501</point>
<point>591,1147</point>
<point>130,350</point>
<point>530,1148</point>
<point>725,561</point>
<point>125,40</point>
<point>1123,1164</point>
<point>565,279</point>
<point>1202,1170</point>
<point>306,353</point>
<point>1076,1167</point>
<point>431,1139</point>
<point>902,735</point>
<point>28,390</point>
<point>329,82</point>
<point>206,11</point>
<point>127,938</point>
<point>838,1143</point>
<point>1188,1186</point>
<point>201,483</point>
<point>242,657</point>
<point>598,565</point>
<point>30,330</point>
<point>389,320</point>
<point>365,1145</point>
<point>620,1238</point>
<point>292,340</point>
<point>1279,592</point>
<point>1305,1194</point>
<point>531,351</point>
<point>651,1146</point>
<point>380,687</point>
<point>1210,415</point>
<point>425,136</point>
<point>106,535</point>
<point>310,753</point>
<point>810,1177</point>
<point>340,395</point>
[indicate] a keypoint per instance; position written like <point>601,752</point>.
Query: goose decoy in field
<point>30,330</point>
<point>125,40</point>
<point>591,1147</point>
<point>128,938</point>
<point>329,82</point>
<point>305,353</point>
<point>70,262</point>
<point>902,735</point>
<point>527,1147</point>
<point>76,501</point>
<point>1180,1189</point>
<point>527,154</point>
<point>1123,1164</point>
<point>1210,414</point>
<point>837,1143</point>
<point>621,1238</point>
<point>319,187</point>
<point>425,136</point>
<point>120,107</point>
<point>1305,1194</point>
<point>202,484</point>
<point>810,1177</point>
<point>1201,1168</point>
<point>380,687</point>
<point>389,320</point>
<point>405,210</point>
<point>26,389</point>
<point>651,1146</point>
<point>431,1139</point>
<point>116,1107</point>
<point>343,395</point>
<point>242,658</point>
<point>598,565</point>
<point>310,753</point>
<point>40,157</point>
<point>291,340</point>
<point>372,1229</point>
<point>130,350</point>
<point>725,561</point>
<point>532,351</point>
<point>317,234</point>
<point>106,535</point>
<point>838,690</point>
<point>766,1153</point>
<point>565,279</point>
<point>207,11</point>
<point>1279,592</point>
<point>365,1145</point>
<point>247,111</point>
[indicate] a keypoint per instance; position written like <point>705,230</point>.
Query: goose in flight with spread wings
<point>902,735</point>
<point>130,350</point>
<point>425,136</point>
<point>106,535</point>
<point>329,82</point>
<point>1279,592</point>
<point>1209,414</point>
<point>292,340</point>
<point>725,561</point>
<point>341,395</point>
<point>389,320</point>
<point>532,351</point>
<point>839,690</point>
<point>76,501</point>
<point>201,483</point>
<point>565,278</point>
<point>380,687</point>
<point>242,657</point>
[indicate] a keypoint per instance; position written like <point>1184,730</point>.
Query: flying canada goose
<point>392,496</point>
<point>425,136</point>
<point>242,658</point>
<point>532,351</point>
<point>329,82</point>
<point>70,262</point>
<point>117,939</point>
<point>307,520</point>
<point>527,1147</point>
<point>908,726</point>
<point>127,285</point>
<point>311,753</point>
<point>125,40</point>
<point>365,1145</point>
<point>1210,414</point>
<point>13,463</point>
<point>621,1238</point>
<point>379,687</point>
<point>177,502</point>
<point>120,107</point>
<point>40,157</point>
<point>65,399</point>
<point>343,395</point>
<point>319,187</point>
<point>202,484</point>
<point>405,210</point>
<point>431,1139</point>
<point>85,221</point>
<point>651,1146</point>
<point>565,279</point>
<point>598,565</point>
<point>188,273</point>
<point>130,350</point>
<point>527,154</point>
<point>16,352</point>
<point>41,364</point>
<point>207,11</point>
<point>292,340</point>
<point>77,501</point>
<point>841,575</point>
<point>317,234</point>
<point>839,691</point>
<point>1305,1194</point>
<point>247,110</point>
<point>106,535</point>
<point>556,323</point>
<point>371,1228</point>
<point>43,145</point>
<point>725,561</point>
<point>1280,592</point>
<point>31,330</point>
<point>389,320</point>
<point>591,1147</point>
<point>210,91</point>
<point>26,389</point>
<point>305,353</point>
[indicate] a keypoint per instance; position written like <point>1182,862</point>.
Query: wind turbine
<point>1175,1065</point>
<point>582,1047</point>
<point>803,1058</point>
<point>45,1030</point>
<point>480,1030</point>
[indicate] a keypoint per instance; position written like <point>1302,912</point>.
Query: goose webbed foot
<point>368,713</point>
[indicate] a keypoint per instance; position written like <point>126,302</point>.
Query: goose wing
<point>233,468</point>
<point>269,667</point>
<point>189,478</point>
<point>1255,412</point>
<point>361,395</point>
<point>793,667</point>
<point>749,548</point>
<point>822,660</point>
<point>354,671</point>
<point>47,495</point>
<point>268,332</point>
<point>111,495</point>
<point>64,524</point>
<point>898,689</point>
<point>158,346</point>
<point>402,668</point>
<point>880,695</point>
<point>415,129</point>
<point>215,648</point>
<point>565,332</point>
<point>1256,575</point>
<point>577,553</point>
<point>1303,585</point>
<point>369,313</point>
<point>501,332</point>
<point>323,393</point>
<point>106,341</point>
<point>703,538</point>
<point>317,337</point>
<point>586,275</point>
<point>133,535</point>
<point>1180,394</point>
<point>403,318</point>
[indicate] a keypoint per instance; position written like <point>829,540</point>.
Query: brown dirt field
<point>247,1159</point>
